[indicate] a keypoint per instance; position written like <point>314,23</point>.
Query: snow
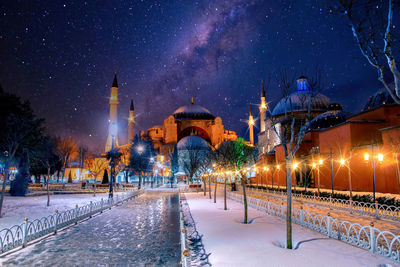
<point>232,243</point>
<point>141,232</point>
<point>15,209</point>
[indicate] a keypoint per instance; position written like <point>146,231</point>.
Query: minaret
<point>131,123</point>
<point>113,121</point>
<point>251,124</point>
<point>263,108</point>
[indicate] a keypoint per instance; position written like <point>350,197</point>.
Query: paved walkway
<point>142,232</point>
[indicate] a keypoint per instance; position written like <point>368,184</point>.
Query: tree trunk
<point>48,192</point>
<point>225,207</point>
<point>3,188</point>
<point>244,199</point>
<point>209,187</point>
<point>63,174</point>
<point>215,191</point>
<point>140,183</point>
<point>289,204</point>
<point>205,186</point>
<point>94,185</point>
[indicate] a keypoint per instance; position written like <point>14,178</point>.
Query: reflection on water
<point>144,231</point>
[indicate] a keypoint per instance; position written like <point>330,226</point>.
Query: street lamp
<point>380,159</point>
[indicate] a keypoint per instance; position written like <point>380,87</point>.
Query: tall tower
<point>113,121</point>
<point>251,125</point>
<point>131,123</point>
<point>263,108</point>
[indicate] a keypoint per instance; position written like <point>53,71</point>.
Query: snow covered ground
<point>15,209</point>
<point>260,243</point>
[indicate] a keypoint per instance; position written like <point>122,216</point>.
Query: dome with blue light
<point>299,101</point>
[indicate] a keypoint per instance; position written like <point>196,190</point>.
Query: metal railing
<point>362,208</point>
<point>182,230</point>
<point>383,243</point>
<point>20,235</point>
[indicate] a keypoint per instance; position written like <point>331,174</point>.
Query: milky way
<point>61,55</point>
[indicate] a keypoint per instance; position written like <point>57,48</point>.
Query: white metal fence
<point>184,250</point>
<point>383,243</point>
<point>362,208</point>
<point>19,235</point>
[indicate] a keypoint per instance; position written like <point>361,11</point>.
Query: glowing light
<point>113,129</point>
<point>140,149</point>
<point>380,157</point>
<point>295,165</point>
<point>251,121</point>
<point>265,168</point>
<point>366,156</point>
<point>278,167</point>
<point>321,162</point>
<point>342,161</point>
<point>314,165</point>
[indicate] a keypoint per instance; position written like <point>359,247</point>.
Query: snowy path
<point>144,231</point>
<point>232,243</point>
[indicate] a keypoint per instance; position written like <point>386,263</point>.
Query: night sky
<point>62,55</point>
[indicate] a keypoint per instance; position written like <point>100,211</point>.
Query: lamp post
<point>380,159</point>
<point>113,131</point>
<point>278,168</point>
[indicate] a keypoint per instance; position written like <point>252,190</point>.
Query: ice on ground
<point>15,209</point>
<point>261,243</point>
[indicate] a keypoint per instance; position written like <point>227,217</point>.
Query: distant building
<point>190,120</point>
<point>338,147</point>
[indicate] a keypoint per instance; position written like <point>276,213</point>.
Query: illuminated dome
<point>298,101</point>
<point>380,98</point>
<point>192,143</point>
<point>193,112</point>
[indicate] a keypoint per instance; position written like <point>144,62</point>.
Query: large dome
<point>192,142</point>
<point>193,112</point>
<point>299,102</point>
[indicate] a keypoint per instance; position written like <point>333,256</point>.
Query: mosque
<point>339,151</point>
<point>186,121</point>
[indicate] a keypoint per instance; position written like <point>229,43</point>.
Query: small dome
<point>328,119</point>
<point>299,101</point>
<point>380,98</point>
<point>192,143</point>
<point>193,112</point>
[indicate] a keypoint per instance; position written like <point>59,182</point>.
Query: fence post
<point>91,209</point>
<point>376,210</point>
<point>328,224</point>
<point>372,237</point>
<point>76,214</point>
<point>101,206</point>
<point>56,222</point>
<point>25,233</point>
<point>301,215</point>
<point>351,206</point>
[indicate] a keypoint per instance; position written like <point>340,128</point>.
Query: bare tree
<point>66,149</point>
<point>291,126</point>
<point>96,166</point>
<point>192,160</point>
<point>371,24</point>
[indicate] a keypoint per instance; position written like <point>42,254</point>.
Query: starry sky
<point>62,55</point>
